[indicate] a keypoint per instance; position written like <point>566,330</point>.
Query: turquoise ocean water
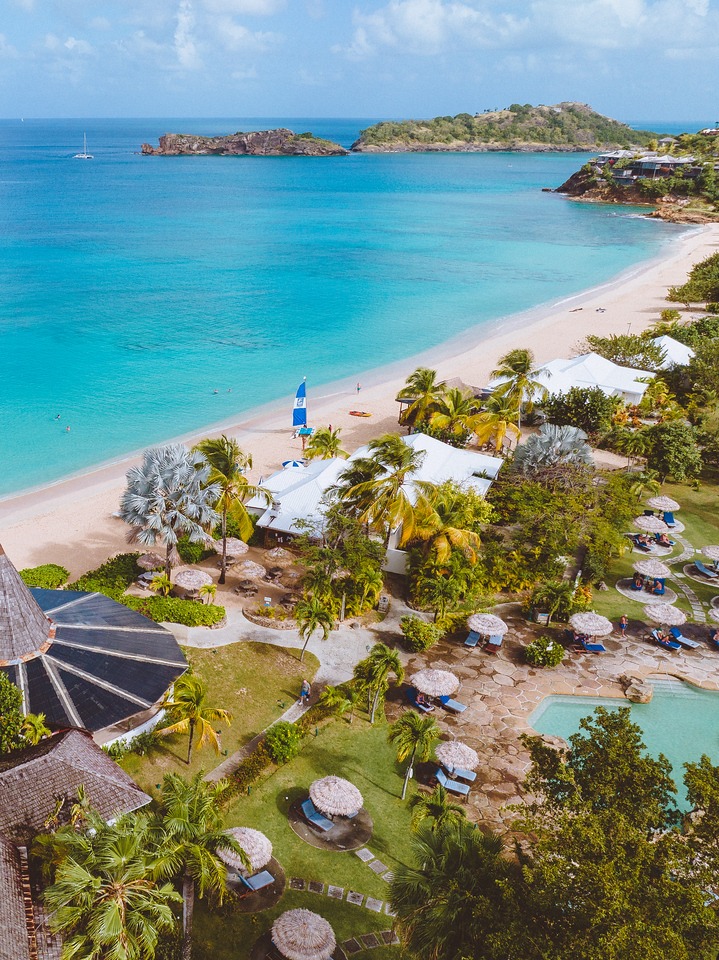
<point>132,287</point>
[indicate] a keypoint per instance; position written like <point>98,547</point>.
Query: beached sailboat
<point>84,155</point>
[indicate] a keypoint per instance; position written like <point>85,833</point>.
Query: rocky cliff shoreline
<point>259,143</point>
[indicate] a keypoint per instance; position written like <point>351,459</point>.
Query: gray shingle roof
<point>14,940</point>
<point>24,628</point>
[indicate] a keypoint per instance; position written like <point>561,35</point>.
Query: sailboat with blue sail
<point>299,413</point>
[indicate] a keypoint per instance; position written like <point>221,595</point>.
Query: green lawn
<point>256,682</point>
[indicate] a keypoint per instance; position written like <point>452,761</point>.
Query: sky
<point>630,59</point>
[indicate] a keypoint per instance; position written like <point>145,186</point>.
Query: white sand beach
<point>71,522</point>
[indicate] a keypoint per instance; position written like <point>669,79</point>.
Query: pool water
<point>682,722</point>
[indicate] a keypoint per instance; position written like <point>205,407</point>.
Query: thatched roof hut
<point>303,935</point>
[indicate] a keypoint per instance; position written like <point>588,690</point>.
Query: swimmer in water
<point>67,429</point>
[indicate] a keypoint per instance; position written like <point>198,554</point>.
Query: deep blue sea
<point>133,287</point>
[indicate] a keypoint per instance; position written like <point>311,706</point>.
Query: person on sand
<point>359,386</point>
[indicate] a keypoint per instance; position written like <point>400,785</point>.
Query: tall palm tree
<point>104,899</point>
<point>169,495</point>
<point>228,463</point>
<point>455,412</point>
<point>34,728</point>
<point>312,613</point>
<point>518,373</point>
<point>438,808</point>
<point>440,521</point>
<point>194,715</point>
<point>188,832</point>
<point>423,390</point>
<point>381,663</point>
<point>496,422</point>
<point>646,484</point>
<point>371,583</point>
<point>414,735</point>
<point>324,444</point>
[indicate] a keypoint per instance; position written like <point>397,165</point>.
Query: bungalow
<point>676,354</point>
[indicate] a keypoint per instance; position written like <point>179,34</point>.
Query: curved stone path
<point>697,610</point>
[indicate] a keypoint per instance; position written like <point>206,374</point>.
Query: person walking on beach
<point>359,386</point>
<point>305,692</point>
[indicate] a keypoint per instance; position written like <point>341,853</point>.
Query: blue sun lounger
<point>668,518</point>
<point>454,705</point>
<point>666,644</point>
<point>680,638</point>
<point>494,643</point>
<point>469,775</point>
<point>452,785</point>
<point>258,882</point>
<point>315,817</point>
<point>581,643</point>
<point>472,640</point>
<point>412,697</point>
<point>705,571</point>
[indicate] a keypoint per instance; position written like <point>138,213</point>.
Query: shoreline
<point>70,520</point>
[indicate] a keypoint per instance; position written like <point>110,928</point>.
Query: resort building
<point>82,659</point>
<point>676,354</point>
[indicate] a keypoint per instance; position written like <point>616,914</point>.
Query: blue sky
<point>632,59</point>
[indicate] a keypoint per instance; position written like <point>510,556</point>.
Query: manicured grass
<point>256,682</point>
<point>699,512</point>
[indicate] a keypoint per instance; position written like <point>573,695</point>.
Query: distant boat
<point>84,155</point>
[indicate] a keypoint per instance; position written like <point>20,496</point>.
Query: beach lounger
<point>472,640</point>
<point>685,641</point>
<point>458,773</point>
<point>258,882</point>
<point>705,571</point>
<point>714,637</point>
<point>672,543</point>
<point>669,518</point>
<point>454,705</point>
<point>452,785</point>
<point>494,643</point>
<point>315,817</point>
<point>582,644</point>
<point>666,644</point>
<point>412,697</point>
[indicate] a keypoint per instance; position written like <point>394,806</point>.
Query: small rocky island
<point>563,127</point>
<point>258,143</point>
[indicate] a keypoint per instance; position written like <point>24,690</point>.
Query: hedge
<point>174,610</point>
<point>111,578</point>
<point>48,576</point>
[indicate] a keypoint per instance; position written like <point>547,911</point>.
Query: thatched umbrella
<point>235,547</point>
<point>336,797</point>
<point>435,683</point>
<point>666,614</point>
<point>248,568</point>
<point>711,551</point>
<point>454,753</point>
<point>651,524</point>
<point>591,624</point>
<point>652,568</point>
<point>255,844</point>
<point>663,503</point>
<point>192,579</point>
<point>151,561</point>
<point>280,555</point>
<point>303,935</point>
<point>486,624</point>
<point>714,614</point>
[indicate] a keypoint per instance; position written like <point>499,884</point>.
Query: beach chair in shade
<point>669,518</point>
<point>258,882</point>
<point>472,639</point>
<point>680,638</point>
<point>412,697</point>
<point>494,643</point>
<point>459,774</point>
<point>315,817</point>
<point>658,536</point>
<point>454,705</point>
<point>582,644</point>
<point>454,786</point>
<point>705,571</point>
<point>648,513</point>
<point>665,644</point>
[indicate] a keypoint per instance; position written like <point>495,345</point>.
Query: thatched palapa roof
<point>435,683</point>
<point>665,613</point>
<point>652,568</point>
<point>486,624</point>
<point>454,753</point>
<point>663,503</point>
<point>336,797</point>
<point>303,935</point>
<point>255,844</point>
<point>192,579</point>
<point>651,524</point>
<point>591,624</point>
<point>711,551</point>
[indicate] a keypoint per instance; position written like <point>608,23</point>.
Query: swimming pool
<point>682,722</point>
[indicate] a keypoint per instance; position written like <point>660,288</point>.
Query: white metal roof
<point>677,354</point>
<point>587,371</point>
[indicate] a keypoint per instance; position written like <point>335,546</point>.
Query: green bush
<point>250,769</point>
<point>283,741</point>
<point>192,552</point>
<point>111,578</point>
<point>48,576</point>
<point>174,610</point>
<point>544,652</point>
<point>141,745</point>
<point>418,634</point>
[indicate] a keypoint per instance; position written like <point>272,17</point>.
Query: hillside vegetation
<point>565,126</point>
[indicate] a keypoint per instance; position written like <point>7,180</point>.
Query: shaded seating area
<point>457,760</point>
<point>586,628</point>
<point>489,626</point>
<point>256,882</point>
<point>665,641</point>
<point>453,705</point>
<point>259,880</point>
<point>419,700</point>
<point>333,816</point>
<point>314,816</point>
<point>706,571</point>
<point>472,639</point>
<point>581,643</point>
<point>453,786</point>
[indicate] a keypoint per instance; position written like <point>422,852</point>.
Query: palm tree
<point>312,613</point>
<point>34,728</point>
<point>381,662</point>
<point>104,899</point>
<point>422,389</point>
<point>519,385</point>
<point>436,807</point>
<point>551,447</point>
<point>208,590</point>
<point>646,484</point>
<point>496,422</point>
<point>554,595</point>
<point>414,736</point>
<point>169,495</point>
<point>335,701</point>
<point>440,521</point>
<point>325,444</point>
<point>633,444</point>
<point>188,832</point>
<point>455,412</point>
<point>162,584</point>
<point>194,715</point>
<point>228,463</point>
<point>371,583</point>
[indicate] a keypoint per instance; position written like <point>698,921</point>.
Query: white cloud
<point>186,50</point>
<point>100,23</point>
<point>249,74</point>
<point>255,8</point>
<point>235,36</point>
<point>77,46</point>
<point>7,50</point>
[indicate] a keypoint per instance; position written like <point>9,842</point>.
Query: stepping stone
<point>378,866</point>
<point>364,854</point>
<point>370,940</point>
<point>389,936</point>
<point>337,893</point>
<point>297,883</point>
<point>375,905</point>
<point>351,946</point>
<point>388,877</point>
<point>356,898</point>
<point>314,886</point>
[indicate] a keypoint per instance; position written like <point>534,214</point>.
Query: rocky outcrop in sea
<point>258,143</point>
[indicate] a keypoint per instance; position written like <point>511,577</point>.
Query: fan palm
<point>552,446</point>
<point>496,422</point>
<point>381,662</point>
<point>423,391</point>
<point>169,495</point>
<point>436,807</point>
<point>34,728</point>
<point>324,444</point>
<point>455,412</point>
<point>519,385</point>
<point>193,714</point>
<point>228,463</point>
<point>414,736</point>
<point>312,613</point>
<point>440,517</point>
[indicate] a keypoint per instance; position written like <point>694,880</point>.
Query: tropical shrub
<point>418,634</point>
<point>674,451</point>
<point>142,744</point>
<point>48,576</point>
<point>283,741</point>
<point>111,578</point>
<point>192,552</point>
<point>173,610</point>
<point>589,409</point>
<point>544,652</point>
<point>555,597</point>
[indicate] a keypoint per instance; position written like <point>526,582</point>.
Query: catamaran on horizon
<point>84,155</point>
